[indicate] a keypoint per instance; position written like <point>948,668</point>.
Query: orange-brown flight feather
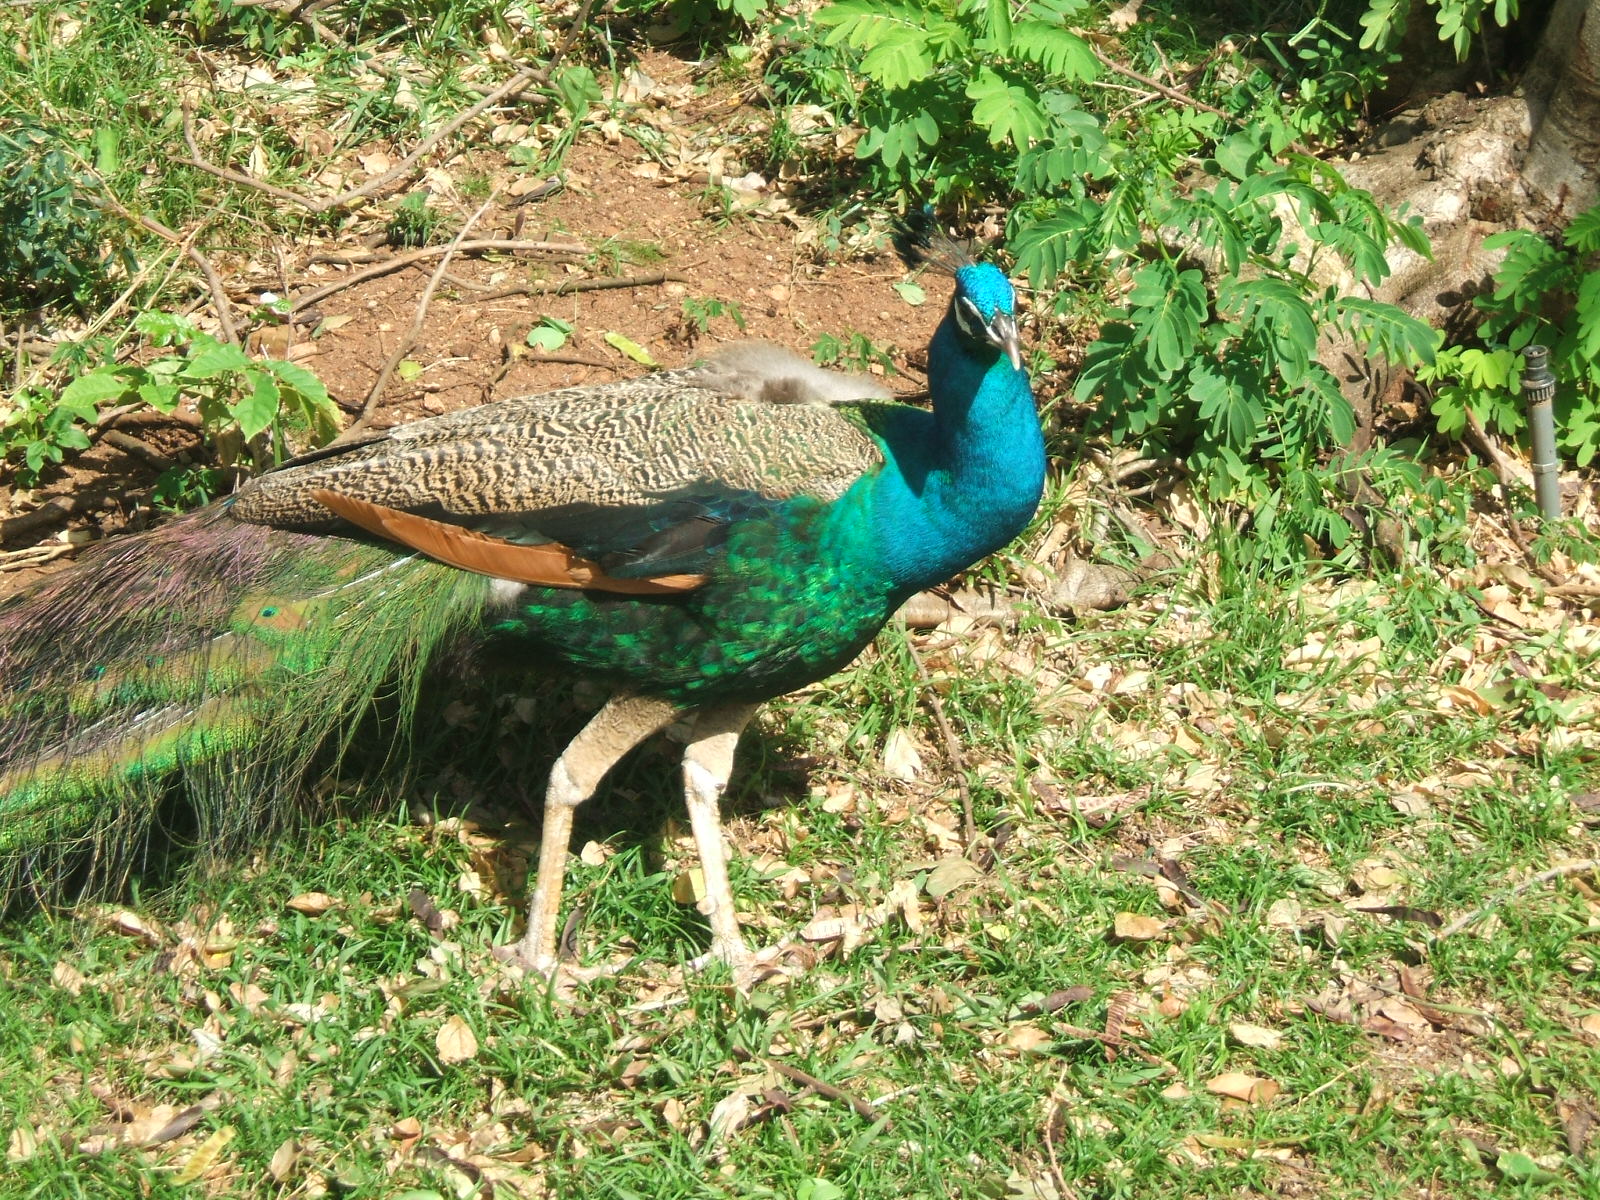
<point>549,564</point>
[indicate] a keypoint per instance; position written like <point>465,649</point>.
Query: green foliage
<point>1545,293</point>
<point>239,398</point>
<point>42,430</point>
<point>179,489</point>
<point>550,334</point>
<point>956,93</point>
<point>1192,236</point>
<point>415,222</point>
<point>699,17</point>
<point>53,237</point>
<point>1218,366</point>
<point>1459,21</point>
<point>854,353</point>
<point>698,313</point>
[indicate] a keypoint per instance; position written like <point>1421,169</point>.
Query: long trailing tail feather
<point>213,654</point>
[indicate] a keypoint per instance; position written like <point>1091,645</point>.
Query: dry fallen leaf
<point>455,1041</point>
<point>67,977</point>
<point>205,1156</point>
<point>1255,1035</point>
<point>1239,1086</point>
<point>689,887</point>
<point>1027,1038</point>
<point>312,904</point>
<point>949,874</point>
<point>1135,927</point>
<point>901,758</point>
<point>731,1114</point>
<point>23,1145</point>
<point>283,1161</point>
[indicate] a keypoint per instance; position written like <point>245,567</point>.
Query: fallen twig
<point>400,261</point>
<point>952,751</point>
<point>219,294</point>
<point>583,285</point>
<point>34,556</point>
<point>51,511</point>
<point>1561,872</point>
<point>138,448</point>
<point>862,1107</point>
<point>368,405</point>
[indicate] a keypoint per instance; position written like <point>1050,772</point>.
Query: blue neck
<point>964,482</point>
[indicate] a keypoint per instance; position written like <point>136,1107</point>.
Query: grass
<point>1007,1045</point>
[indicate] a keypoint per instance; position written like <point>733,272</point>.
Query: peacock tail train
<point>230,654</point>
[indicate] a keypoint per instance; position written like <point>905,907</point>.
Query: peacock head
<point>984,308</point>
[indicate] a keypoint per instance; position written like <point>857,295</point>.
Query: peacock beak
<point>1003,332</point>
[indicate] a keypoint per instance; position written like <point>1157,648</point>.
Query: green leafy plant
<point>415,222</point>
<point>1459,21</point>
<point>1192,236</point>
<point>550,334</point>
<point>1209,352</point>
<point>53,237</point>
<point>242,401</point>
<point>698,313</point>
<point>41,430</point>
<point>181,488</point>
<point>855,352</point>
<point>1545,293</point>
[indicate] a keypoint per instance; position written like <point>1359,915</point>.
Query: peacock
<point>700,540</point>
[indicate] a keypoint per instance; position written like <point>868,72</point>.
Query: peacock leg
<point>707,763</point>
<point>621,725</point>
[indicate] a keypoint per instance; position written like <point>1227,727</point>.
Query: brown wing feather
<point>550,564</point>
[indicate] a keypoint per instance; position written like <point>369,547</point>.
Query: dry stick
<point>34,556</point>
<point>138,448</point>
<point>583,285</point>
<point>806,1079</point>
<point>48,513</point>
<point>401,261</point>
<point>952,751</point>
<point>219,294</point>
<point>363,257</point>
<point>519,82</point>
<point>575,360</point>
<point>1156,86</point>
<point>1172,93</point>
<point>1572,868</point>
<point>364,418</point>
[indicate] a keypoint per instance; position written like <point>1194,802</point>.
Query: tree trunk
<point>1562,86</point>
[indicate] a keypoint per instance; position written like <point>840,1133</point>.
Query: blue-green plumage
<point>714,543</point>
<point>800,586</point>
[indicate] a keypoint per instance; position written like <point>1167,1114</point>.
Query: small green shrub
<point>1545,293</point>
<point>56,245</point>
<point>242,401</point>
<point>699,312</point>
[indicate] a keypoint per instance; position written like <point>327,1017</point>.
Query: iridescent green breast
<point>794,598</point>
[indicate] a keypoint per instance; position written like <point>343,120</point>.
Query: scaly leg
<point>707,763</point>
<point>621,725</point>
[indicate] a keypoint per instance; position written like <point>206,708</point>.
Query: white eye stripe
<point>970,319</point>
